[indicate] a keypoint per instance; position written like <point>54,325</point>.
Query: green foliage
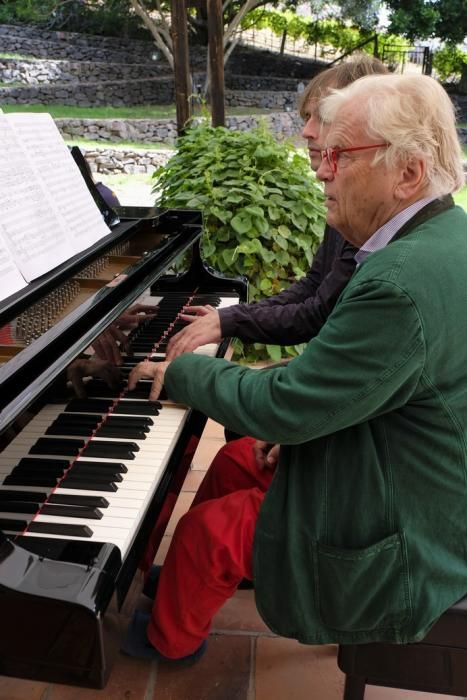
<point>110,18</point>
<point>332,34</point>
<point>26,11</point>
<point>263,209</point>
<point>449,62</point>
<point>418,19</point>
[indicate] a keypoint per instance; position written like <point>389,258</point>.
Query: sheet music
<point>12,280</point>
<point>55,167</point>
<point>31,226</point>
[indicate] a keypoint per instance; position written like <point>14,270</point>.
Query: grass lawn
<point>138,112</point>
<point>118,145</point>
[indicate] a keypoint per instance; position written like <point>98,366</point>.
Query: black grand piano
<point>87,485</point>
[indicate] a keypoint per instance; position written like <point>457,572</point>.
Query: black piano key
<point>13,525</point>
<point>66,499</point>
<point>63,529</point>
<point>19,506</point>
<point>73,418</point>
<point>95,388</point>
<point>48,469</point>
<point>143,422</point>
<point>87,485</point>
<point>76,500</point>
<point>71,511</point>
<point>141,391</point>
<point>144,408</point>
<point>12,495</point>
<point>109,431</point>
<point>71,430</point>
<point>88,406</point>
<point>104,467</point>
<point>111,450</point>
<point>59,446</point>
<point>38,463</point>
<point>90,476</point>
<point>26,473</point>
<point>36,480</point>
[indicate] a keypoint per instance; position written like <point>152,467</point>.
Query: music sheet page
<point>55,167</point>
<point>32,228</point>
<point>12,280</point>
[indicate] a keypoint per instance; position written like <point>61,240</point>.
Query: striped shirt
<point>386,233</point>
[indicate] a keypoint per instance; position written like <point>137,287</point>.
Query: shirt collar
<point>386,233</point>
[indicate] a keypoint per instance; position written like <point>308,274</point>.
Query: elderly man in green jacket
<point>362,535</point>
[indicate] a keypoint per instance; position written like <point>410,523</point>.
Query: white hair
<point>415,116</point>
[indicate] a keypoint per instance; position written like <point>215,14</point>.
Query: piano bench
<point>437,664</point>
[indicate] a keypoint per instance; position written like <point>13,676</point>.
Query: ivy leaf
<point>261,225</point>
<point>282,242</point>
<point>284,231</point>
<point>265,285</point>
<point>241,223</point>
<point>274,352</point>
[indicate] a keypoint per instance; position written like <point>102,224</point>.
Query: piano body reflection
<point>83,482</point>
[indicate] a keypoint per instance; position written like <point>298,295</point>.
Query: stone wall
<point>63,82</point>
<point>96,94</point>
<point>40,71</point>
<point>31,41</point>
<point>282,124</point>
<point>111,161</point>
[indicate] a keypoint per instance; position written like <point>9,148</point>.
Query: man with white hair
<point>361,535</point>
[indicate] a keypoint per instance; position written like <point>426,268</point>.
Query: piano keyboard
<point>77,471</point>
<point>165,325</point>
<point>119,495</point>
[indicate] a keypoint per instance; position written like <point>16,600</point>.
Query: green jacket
<point>362,535</point>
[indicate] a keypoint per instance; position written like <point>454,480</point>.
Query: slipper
<point>152,580</point>
<point>137,644</point>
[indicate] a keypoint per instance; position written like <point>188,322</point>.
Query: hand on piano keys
<point>113,341</point>
<point>92,367</point>
<point>203,327</point>
<point>149,370</point>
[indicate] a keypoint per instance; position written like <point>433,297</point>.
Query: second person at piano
<point>295,315</point>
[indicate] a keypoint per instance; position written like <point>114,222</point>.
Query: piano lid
<point>34,353</point>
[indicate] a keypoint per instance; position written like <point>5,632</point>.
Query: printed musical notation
<point>47,213</point>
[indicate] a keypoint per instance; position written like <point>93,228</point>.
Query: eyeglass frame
<point>331,153</point>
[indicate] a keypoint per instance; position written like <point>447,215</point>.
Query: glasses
<point>330,154</point>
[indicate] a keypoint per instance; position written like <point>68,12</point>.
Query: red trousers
<point>211,550</point>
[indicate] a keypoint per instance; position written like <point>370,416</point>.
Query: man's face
<point>312,133</point>
<point>359,195</point>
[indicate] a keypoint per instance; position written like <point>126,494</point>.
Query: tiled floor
<point>244,660</point>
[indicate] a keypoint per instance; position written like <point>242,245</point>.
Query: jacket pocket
<point>363,589</point>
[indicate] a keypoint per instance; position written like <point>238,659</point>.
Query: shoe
<point>246,585</point>
<point>152,581</point>
<point>137,644</point>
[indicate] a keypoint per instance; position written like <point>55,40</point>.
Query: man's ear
<point>412,179</point>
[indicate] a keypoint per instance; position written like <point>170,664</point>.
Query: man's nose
<point>324,171</point>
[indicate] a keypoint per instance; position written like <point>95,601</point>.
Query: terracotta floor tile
<point>207,450</point>
<point>213,430</point>
<point>162,551</point>
<point>129,680</point>
<point>181,507</point>
<point>288,670</point>
<point>239,613</point>
<point>193,480</point>
<point>18,689</point>
<point>373,692</point>
<point>222,674</point>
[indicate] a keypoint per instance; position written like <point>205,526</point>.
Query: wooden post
<point>216,61</point>
<point>183,88</point>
